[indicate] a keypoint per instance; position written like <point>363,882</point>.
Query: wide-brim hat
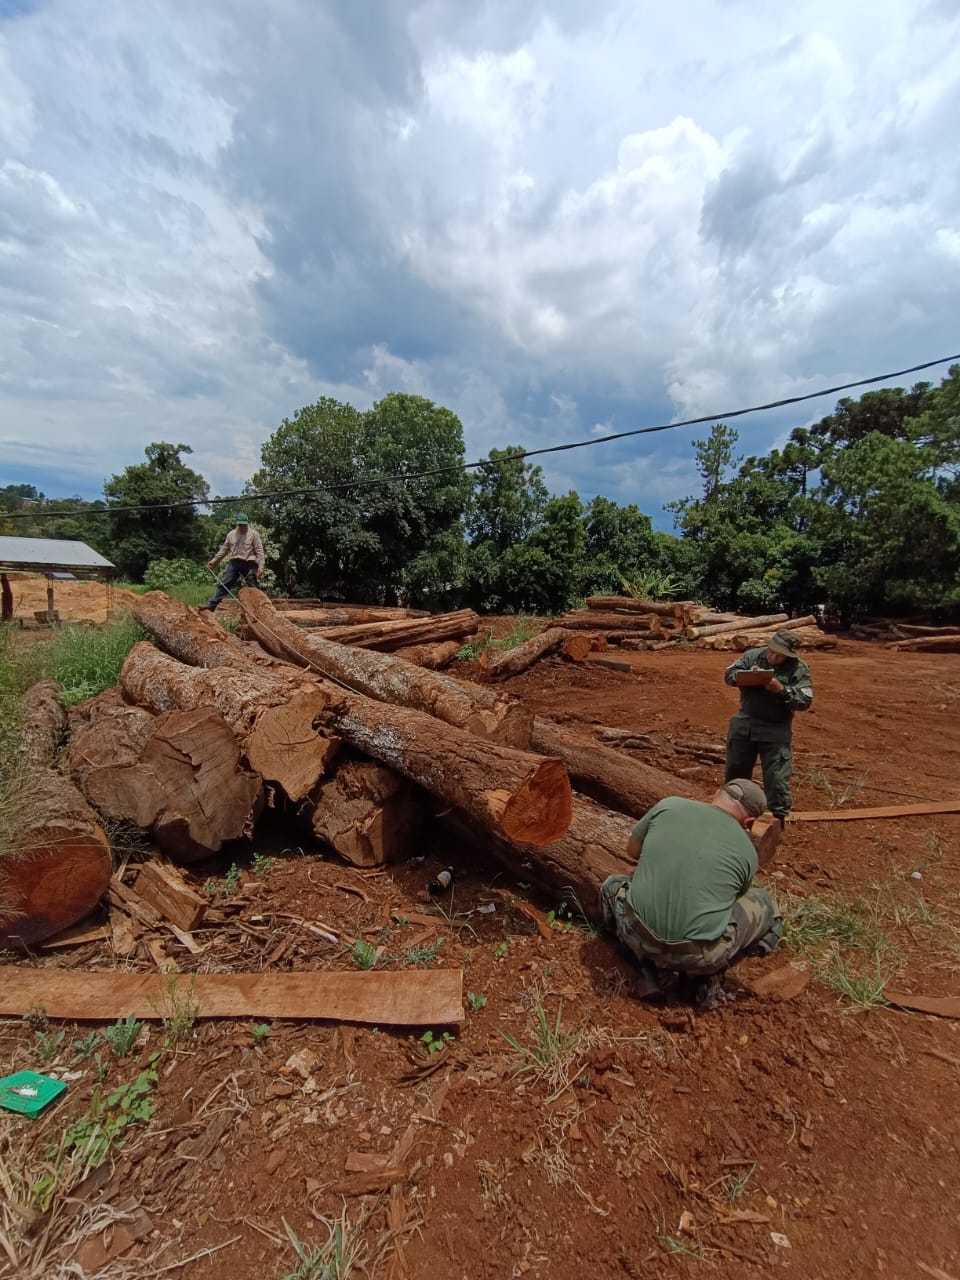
<point>784,642</point>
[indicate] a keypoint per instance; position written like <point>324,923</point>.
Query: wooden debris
<point>369,814</point>
<point>939,1006</point>
<point>424,997</point>
<point>79,935</point>
<point>888,811</point>
<point>168,893</point>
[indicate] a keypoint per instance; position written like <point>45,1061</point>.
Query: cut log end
<point>286,746</point>
<point>541,807</point>
<point>57,884</point>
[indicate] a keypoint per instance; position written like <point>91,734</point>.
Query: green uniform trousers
<point>754,923</point>
<point>776,761</point>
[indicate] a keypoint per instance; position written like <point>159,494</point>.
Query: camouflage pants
<point>776,761</point>
<point>754,924</point>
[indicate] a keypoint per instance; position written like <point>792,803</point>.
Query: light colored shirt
<point>242,544</point>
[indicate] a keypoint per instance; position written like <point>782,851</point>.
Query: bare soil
<point>804,1136</point>
<point>73,601</point>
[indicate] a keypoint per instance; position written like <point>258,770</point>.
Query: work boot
<point>766,945</point>
<point>704,993</point>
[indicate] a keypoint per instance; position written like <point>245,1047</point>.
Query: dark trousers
<point>242,571</point>
<point>776,761</point>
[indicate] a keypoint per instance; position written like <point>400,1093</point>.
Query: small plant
<point>48,1045</point>
<point>122,1036</point>
<point>332,1260</point>
<point>262,865</point>
<point>226,887</point>
<point>551,1048</point>
<point>435,1044</point>
<point>260,1032</point>
<point>735,1184</point>
<point>100,1068</point>
<point>363,954</point>
<point>864,990</point>
<point>37,1018</point>
<point>476,1000</point>
<point>420,956</point>
<point>102,1127</point>
<point>500,950</point>
<point>472,651</point>
<point>178,1008</point>
<point>86,1047</point>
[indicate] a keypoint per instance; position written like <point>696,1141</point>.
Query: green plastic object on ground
<point>28,1092</point>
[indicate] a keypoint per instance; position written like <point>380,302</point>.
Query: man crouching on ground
<point>690,907</point>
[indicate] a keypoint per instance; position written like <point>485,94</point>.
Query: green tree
<point>508,500</point>
<point>619,545</point>
<point>715,457</point>
<point>157,530</point>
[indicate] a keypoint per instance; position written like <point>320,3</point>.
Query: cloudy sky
<point>557,217</point>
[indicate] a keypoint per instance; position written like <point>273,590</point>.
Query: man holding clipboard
<point>773,684</point>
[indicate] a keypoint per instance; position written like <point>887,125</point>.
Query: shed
<point>58,559</point>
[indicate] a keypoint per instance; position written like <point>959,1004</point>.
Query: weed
<point>178,1008</point>
<point>262,865</point>
<point>735,1184</point>
<point>37,1017</point>
<point>334,1259</point>
<point>829,931</point>
<point>226,887</point>
<point>652,585</point>
<point>435,1044</point>
<point>260,1032</point>
<point>100,1067</point>
<point>691,1250</point>
<point>477,1000</point>
<point>472,651</point>
<point>49,1045</point>
<point>363,954</point>
<point>500,950</point>
<point>86,1047</point>
<point>122,1036</point>
<point>569,915</point>
<point>419,956</point>
<point>864,991</point>
<point>87,660</point>
<point>838,796</point>
<point>552,1052</point>
<point>102,1127</point>
<point>522,630</point>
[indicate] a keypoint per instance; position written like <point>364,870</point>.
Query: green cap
<point>242,518</point>
<point>784,642</point>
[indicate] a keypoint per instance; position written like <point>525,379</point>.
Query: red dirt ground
<point>845,1120</point>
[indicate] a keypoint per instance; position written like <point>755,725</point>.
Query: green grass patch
<point>846,943</point>
<point>87,660</point>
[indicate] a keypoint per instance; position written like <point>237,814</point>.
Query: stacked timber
<point>899,634</point>
<point>56,865</point>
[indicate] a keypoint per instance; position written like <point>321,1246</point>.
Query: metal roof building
<point>59,559</point>
<point>46,555</point>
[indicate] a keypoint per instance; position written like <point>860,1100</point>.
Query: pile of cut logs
<point>357,745</point>
<point>659,624</point>
<point>909,635</point>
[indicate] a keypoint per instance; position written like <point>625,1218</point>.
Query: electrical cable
<point>406,477</point>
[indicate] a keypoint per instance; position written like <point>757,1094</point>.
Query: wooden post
<point>50,609</point>
<point>6,614</point>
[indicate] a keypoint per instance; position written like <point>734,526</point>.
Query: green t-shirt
<point>695,862</point>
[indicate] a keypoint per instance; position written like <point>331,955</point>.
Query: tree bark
<point>665,608</point>
<point>189,634</point>
<point>346,616</point>
<point>397,635</point>
<point>59,862</point>
<point>498,664</point>
<point>524,796</point>
<point>614,779</point>
<point>43,723</point>
<point>370,815</point>
<point>742,624</point>
<point>739,641</point>
<point>274,718</point>
<point>594,620</point>
<point>175,775</point>
<point>388,678</point>
<point>433,657</point>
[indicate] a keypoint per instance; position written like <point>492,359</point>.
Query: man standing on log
<point>690,906</point>
<point>243,550</point>
<point>773,684</point>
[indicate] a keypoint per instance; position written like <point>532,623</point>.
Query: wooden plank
<point>888,811</point>
<point>167,892</point>
<point>939,1006</point>
<point>424,998</point>
<point>76,937</point>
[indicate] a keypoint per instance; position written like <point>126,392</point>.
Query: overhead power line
<point>405,477</point>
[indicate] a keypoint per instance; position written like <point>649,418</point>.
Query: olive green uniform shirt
<point>695,861</point>
<point>766,716</point>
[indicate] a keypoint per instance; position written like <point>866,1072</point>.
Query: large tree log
<point>389,679</point>
<point>665,608</point>
<point>931,644</point>
<point>370,815</point>
<point>614,779</point>
<point>285,604</point>
<point>594,620</point>
<point>576,647</point>
<point>347,616</point>
<point>916,629</point>
<point>739,641</point>
<point>274,718</point>
<point>396,635</point>
<point>498,664</point>
<point>176,775</point>
<point>524,796</point>
<point>43,723</point>
<point>742,624</point>
<point>433,657</point>
<point>57,864</point>
<point>189,634</point>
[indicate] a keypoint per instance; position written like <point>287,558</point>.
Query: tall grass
<point>87,660</point>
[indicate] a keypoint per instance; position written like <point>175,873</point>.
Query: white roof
<point>49,553</point>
